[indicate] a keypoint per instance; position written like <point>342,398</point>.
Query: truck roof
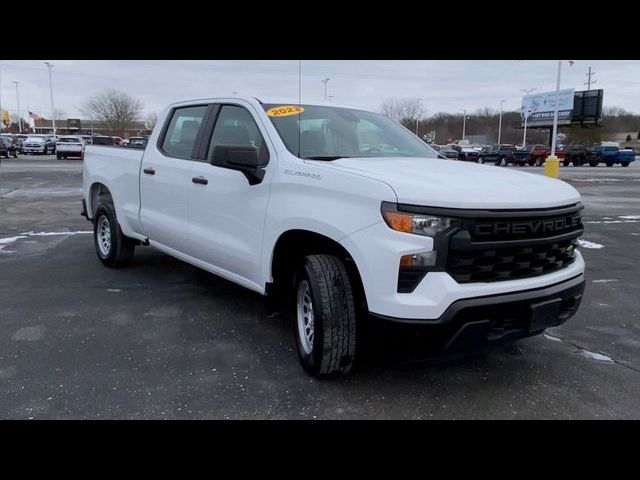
<point>275,100</point>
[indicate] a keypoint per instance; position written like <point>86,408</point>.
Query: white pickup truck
<point>339,214</point>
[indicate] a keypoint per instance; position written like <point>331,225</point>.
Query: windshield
<point>328,133</point>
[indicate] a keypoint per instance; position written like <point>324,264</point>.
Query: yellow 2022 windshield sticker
<point>285,110</point>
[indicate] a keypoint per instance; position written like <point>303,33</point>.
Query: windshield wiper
<point>327,158</point>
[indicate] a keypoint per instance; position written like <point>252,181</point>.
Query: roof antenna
<point>299,102</point>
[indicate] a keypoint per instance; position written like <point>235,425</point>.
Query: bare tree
<point>405,110</point>
<point>115,108</point>
<point>151,120</point>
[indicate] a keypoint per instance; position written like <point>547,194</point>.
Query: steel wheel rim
<point>305,317</point>
<point>104,235</point>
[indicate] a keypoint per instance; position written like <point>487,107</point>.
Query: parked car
<point>137,142</point>
<point>70,146</point>
<point>521,155</point>
<point>39,144</point>
<point>573,154</point>
<point>448,151</point>
<point>333,233</point>
<point>539,154</point>
<point>87,139</point>
<point>498,154</point>
<point>13,144</point>
<point>5,144</point>
<point>106,140</point>
<point>610,155</point>
<point>468,154</point>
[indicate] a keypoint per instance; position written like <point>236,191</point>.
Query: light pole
<point>325,80</point>
<point>555,113</point>
<point>53,111</point>
<point>526,112</point>
<point>464,123</point>
<point>500,121</point>
<point>18,105</point>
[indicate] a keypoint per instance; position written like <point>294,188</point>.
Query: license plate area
<point>544,315</point>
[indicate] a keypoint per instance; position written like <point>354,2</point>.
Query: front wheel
<point>325,316</point>
<point>566,163</point>
<point>112,247</point>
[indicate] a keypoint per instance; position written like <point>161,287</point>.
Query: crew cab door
<point>226,212</point>
<point>165,180</point>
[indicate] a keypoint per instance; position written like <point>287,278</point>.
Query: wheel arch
<point>97,190</point>
<point>293,245</point>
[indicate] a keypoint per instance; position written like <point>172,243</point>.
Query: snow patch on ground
<point>48,234</point>
<point>604,280</point>
<point>595,356</point>
<point>9,240</point>
<point>629,217</point>
<point>588,244</point>
<point>553,339</point>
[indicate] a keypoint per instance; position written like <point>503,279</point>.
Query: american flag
<point>35,116</point>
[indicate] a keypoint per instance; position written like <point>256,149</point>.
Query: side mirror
<point>243,158</point>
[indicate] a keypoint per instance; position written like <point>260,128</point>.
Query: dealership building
<point>75,126</point>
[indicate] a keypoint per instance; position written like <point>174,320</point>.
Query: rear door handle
<point>200,180</point>
<point>149,171</point>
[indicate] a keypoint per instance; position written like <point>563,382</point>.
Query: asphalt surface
<point>163,339</point>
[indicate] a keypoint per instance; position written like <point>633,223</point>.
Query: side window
<point>180,136</point>
<point>235,126</point>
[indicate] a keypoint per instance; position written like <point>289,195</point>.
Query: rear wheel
<point>325,316</point>
<point>625,164</point>
<point>593,164</point>
<point>609,164</point>
<point>59,157</point>
<point>112,247</point>
<point>566,163</point>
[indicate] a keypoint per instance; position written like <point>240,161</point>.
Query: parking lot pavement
<point>163,339</point>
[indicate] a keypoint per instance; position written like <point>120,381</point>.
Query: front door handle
<point>200,180</point>
<point>149,171</point>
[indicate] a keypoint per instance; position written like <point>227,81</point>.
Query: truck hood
<point>447,183</point>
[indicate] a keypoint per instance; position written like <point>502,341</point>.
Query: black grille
<point>495,264</point>
<point>510,247</point>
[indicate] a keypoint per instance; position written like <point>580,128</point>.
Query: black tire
<point>593,164</point>
<point>120,249</point>
<point>625,164</point>
<point>59,157</point>
<point>609,164</point>
<point>566,163</point>
<point>333,347</point>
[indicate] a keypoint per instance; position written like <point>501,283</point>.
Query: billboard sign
<point>587,107</point>
<point>73,123</point>
<point>540,107</point>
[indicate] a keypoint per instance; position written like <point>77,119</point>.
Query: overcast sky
<point>448,86</point>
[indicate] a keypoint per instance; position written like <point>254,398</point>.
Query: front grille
<point>495,264</point>
<point>511,246</point>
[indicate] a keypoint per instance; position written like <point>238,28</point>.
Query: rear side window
<point>235,126</point>
<point>180,136</point>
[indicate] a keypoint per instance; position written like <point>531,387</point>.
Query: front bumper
<point>474,322</point>
<point>33,149</point>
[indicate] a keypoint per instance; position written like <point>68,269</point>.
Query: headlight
<point>427,225</point>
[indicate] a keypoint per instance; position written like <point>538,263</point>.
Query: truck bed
<point>120,168</point>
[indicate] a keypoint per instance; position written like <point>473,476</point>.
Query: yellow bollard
<point>552,166</point>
